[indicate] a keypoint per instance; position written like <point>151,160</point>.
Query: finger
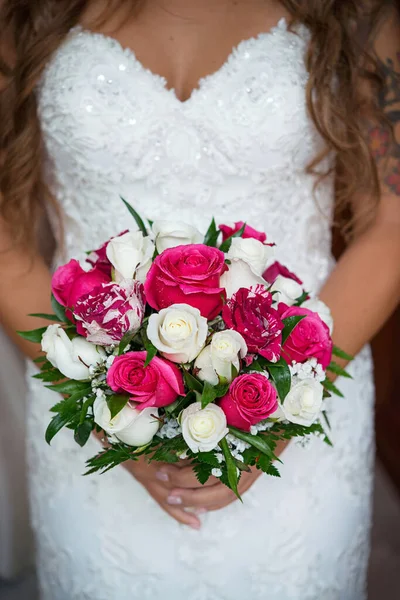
<point>183,517</point>
<point>183,477</point>
<point>205,497</point>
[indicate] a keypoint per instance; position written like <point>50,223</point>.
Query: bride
<point>274,113</point>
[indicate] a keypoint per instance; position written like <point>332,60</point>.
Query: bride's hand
<point>161,479</point>
<point>178,492</point>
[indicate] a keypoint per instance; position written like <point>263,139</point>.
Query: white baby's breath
<point>216,472</point>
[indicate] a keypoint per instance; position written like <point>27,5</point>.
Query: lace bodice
<point>237,149</point>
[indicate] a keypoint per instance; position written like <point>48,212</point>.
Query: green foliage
<point>230,466</point>
<point>202,472</point>
<point>71,387</point>
<point>109,458</point>
<point>34,336</point>
<point>225,246</point>
<point>126,340</point>
<point>265,465</point>
<point>280,374</point>
<point>49,375</point>
<point>45,316</point>
<point>136,216</point>
<point>212,392</point>
<point>149,347</point>
<point>208,458</point>
<point>83,431</point>
<point>301,299</point>
<point>192,382</point>
<point>59,310</point>
<point>290,323</point>
<point>116,402</point>
<point>170,450</point>
<point>328,385</point>
<point>211,237</point>
<point>259,441</point>
<point>337,369</point>
<point>181,403</point>
<point>341,353</point>
<point>57,423</point>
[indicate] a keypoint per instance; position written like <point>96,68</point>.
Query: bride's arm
<point>364,289</point>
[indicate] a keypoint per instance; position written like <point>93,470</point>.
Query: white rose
<point>239,275</point>
<point>169,234</point>
<point>303,403</point>
<point>72,357</point>
<point>322,309</point>
<point>131,255</point>
<point>288,290</point>
<point>252,251</point>
<point>179,332</point>
<point>218,357</point>
<point>203,429</point>
<point>130,426</point>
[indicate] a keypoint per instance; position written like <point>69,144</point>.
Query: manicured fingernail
<point>174,500</point>
<point>195,525</point>
<point>162,476</point>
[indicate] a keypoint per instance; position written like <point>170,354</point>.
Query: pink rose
<point>98,258</point>
<point>109,311</point>
<point>276,269</point>
<point>249,232</point>
<point>309,339</point>
<point>250,312</point>
<point>158,384</point>
<point>70,282</point>
<point>187,274</point>
<point>251,398</point>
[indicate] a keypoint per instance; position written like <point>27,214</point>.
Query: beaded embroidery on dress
<point>239,144</point>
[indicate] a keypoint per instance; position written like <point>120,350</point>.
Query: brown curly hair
<point>33,29</point>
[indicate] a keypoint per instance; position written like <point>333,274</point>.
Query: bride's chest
<point>100,108</point>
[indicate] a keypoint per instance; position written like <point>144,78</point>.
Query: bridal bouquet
<point>178,345</point>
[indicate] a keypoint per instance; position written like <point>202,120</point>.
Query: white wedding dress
<point>237,149</point>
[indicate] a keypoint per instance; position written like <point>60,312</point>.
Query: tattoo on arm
<point>383,144</point>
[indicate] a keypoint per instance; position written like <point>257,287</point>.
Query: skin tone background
<point>184,40</point>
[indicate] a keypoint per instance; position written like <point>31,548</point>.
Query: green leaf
<point>39,359</point>
<point>59,310</point>
<point>49,376</point>
<point>170,450</point>
<point>72,401</point>
<point>337,369</point>
<point>126,340</point>
<point>85,407</point>
<point>257,441</point>
<point>179,404</point>
<point>231,467</point>
<point>280,374</point>
<point>290,323</point>
<point>57,423</point>
<point>225,246</point>
<point>34,336</point>
<point>211,392</point>
<point>209,458</point>
<point>151,353</point>
<point>192,383</point>
<point>71,387</point>
<point>109,458</point>
<point>341,354</point>
<point>332,388</point>
<point>301,299</point>
<point>116,403</point>
<point>150,222</point>
<point>136,216</point>
<point>326,419</point>
<point>265,465</point>
<point>202,472</point>
<point>83,431</point>
<point>211,237</point>
<point>44,316</point>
